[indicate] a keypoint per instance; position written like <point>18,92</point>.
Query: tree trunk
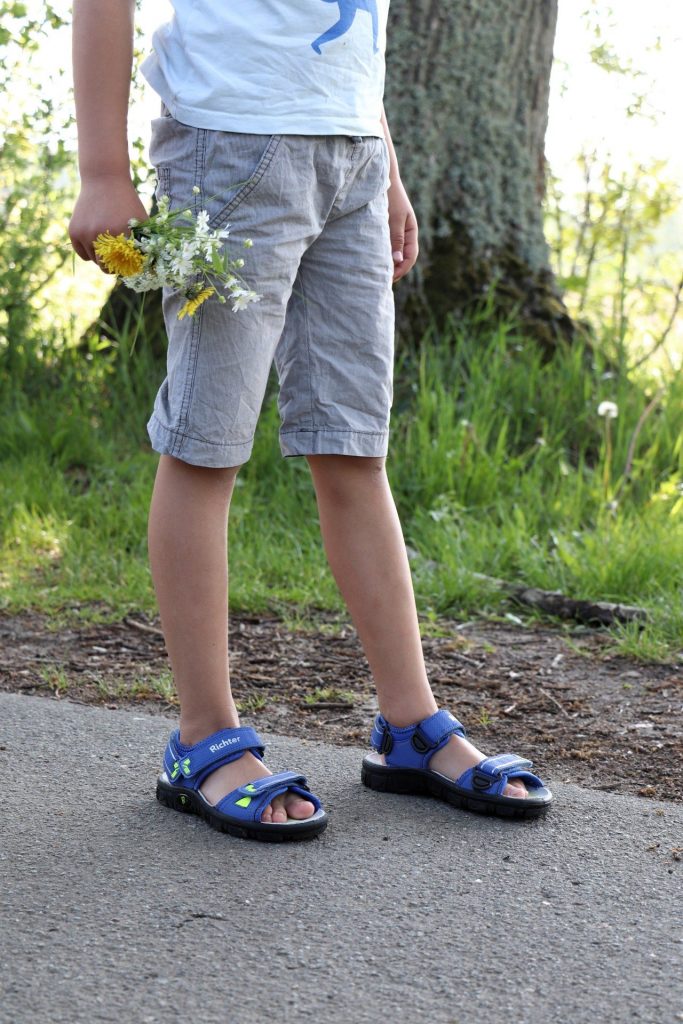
<point>466,96</point>
<point>122,313</point>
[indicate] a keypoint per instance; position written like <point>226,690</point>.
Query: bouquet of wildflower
<point>162,250</point>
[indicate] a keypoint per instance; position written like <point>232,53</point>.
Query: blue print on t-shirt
<point>347,12</point>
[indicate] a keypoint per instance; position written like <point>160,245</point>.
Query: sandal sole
<point>409,782</point>
<point>187,802</point>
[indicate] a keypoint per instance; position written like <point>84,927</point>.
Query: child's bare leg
<point>187,539</point>
<point>366,550</point>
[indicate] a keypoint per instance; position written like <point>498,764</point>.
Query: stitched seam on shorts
<point>199,165</point>
<point>193,358</point>
<point>195,337</point>
<point>164,177</point>
<point>203,440</point>
<point>333,430</point>
<point>261,169</point>
<point>307,330</point>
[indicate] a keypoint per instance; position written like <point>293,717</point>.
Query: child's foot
<point>457,756</point>
<point>245,769</point>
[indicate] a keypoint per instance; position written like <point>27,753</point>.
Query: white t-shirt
<point>305,67</point>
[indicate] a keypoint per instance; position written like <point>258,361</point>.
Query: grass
<point>329,695</point>
<point>250,705</point>
<point>499,464</point>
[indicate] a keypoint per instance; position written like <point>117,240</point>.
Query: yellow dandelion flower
<point>118,254</point>
<point>192,305</point>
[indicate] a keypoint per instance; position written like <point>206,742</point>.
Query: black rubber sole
<point>189,802</point>
<point>416,783</point>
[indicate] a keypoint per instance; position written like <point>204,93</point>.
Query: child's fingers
<point>397,224</point>
<point>410,246</point>
<point>406,257</point>
<point>80,250</point>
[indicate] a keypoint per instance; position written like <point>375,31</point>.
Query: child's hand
<point>403,228</point>
<point>104,204</point>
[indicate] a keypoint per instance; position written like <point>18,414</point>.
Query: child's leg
<point>187,539</point>
<point>365,548</point>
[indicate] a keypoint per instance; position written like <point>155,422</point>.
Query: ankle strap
<point>413,745</point>
<point>191,765</point>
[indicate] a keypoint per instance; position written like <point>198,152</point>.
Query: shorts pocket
<point>236,165</point>
<point>227,166</point>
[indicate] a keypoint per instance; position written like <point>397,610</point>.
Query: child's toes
<point>279,810</point>
<point>299,808</point>
<point>267,815</point>
<point>287,806</point>
<point>515,788</point>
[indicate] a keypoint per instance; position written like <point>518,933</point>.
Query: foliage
<point>38,187</point>
<point>603,242</point>
<point>33,170</point>
<point>499,462</point>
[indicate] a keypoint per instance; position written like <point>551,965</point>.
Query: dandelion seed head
<point>610,410</point>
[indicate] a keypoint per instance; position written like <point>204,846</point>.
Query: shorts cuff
<point>194,450</point>
<point>331,441</point>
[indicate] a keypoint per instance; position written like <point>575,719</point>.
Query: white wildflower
<point>242,297</point>
<point>181,267</point>
<point>202,228</point>
<point>608,409</point>
<point>189,249</point>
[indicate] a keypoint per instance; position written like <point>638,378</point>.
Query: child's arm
<point>102,50</point>
<point>402,220</point>
<point>394,175</point>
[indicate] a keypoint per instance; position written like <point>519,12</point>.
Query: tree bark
<point>466,96</point>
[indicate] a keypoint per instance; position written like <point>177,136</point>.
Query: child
<point>272,119</point>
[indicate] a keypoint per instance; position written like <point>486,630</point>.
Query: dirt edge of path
<point>581,714</point>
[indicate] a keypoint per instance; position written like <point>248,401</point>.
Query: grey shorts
<point>316,209</point>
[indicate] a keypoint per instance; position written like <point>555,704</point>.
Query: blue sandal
<point>238,813</point>
<point>407,752</point>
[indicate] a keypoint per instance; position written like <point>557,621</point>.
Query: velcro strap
<point>270,782</point>
<point>434,730</point>
<point>381,738</point>
<point>220,748</point>
<point>503,764</point>
<point>254,797</point>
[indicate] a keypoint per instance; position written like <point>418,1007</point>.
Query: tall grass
<point>499,464</point>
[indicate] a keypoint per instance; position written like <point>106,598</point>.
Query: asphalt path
<point>115,909</point>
